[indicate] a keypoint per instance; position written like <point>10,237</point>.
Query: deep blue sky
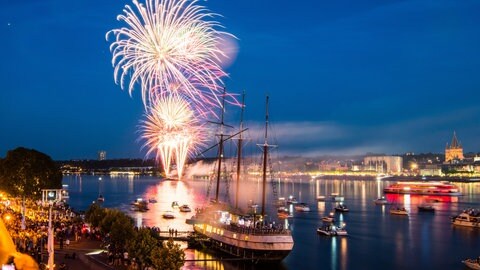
<point>343,76</point>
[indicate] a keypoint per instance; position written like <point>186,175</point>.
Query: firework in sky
<point>170,47</point>
<point>171,130</point>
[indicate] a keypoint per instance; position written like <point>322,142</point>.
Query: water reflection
<point>371,228</point>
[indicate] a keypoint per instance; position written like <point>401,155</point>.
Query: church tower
<point>454,151</point>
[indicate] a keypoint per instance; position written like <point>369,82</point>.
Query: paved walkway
<point>81,261</point>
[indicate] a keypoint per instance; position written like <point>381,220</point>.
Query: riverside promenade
<point>82,261</point>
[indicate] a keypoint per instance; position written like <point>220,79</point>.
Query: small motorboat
<point>302,207</point>
<point>426,208</point>
<point>332,230</point>
<point>283,213</point>
<point>100,198</point>
<point>381,201</point>
<point>321,198</point>
<point>175,204</point>
<point>329,219</point>
<point>139,205</point>
<point>472,263</point>
<point>292,200</point>
<point>185,208</point>
<point>336,197</point>
<point>168,215</point>
<point>152,200</point>
<point>401,211</point>
<point>341,208</point>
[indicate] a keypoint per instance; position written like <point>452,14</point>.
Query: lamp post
<point>50,245</point>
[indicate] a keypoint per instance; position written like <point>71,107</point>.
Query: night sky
<point>344,77</point>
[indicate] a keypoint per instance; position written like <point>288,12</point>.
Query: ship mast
<point>239,151</point>
<point>265,156</point>
<point>220,147</point>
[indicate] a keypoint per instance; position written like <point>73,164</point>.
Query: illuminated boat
<point>468,218</point>
<point>302,207</point>
<point>330,218</point>
<point>332,230</point>
<point>185,208</point>
<point>424,188</point>
<point>168,215</point>
<point>400,211</point>
<point>472,263</point>
<point>283,212</point>
<point>341,208</point>
<point>242,236</point>
<point>381,201</point>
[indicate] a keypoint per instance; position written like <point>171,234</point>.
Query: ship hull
<point>267,246</point>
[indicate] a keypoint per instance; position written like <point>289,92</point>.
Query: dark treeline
<point>108,163</point>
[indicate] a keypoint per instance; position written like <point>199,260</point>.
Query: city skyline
<point>378,76</point>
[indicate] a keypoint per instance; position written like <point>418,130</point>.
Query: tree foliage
<point>25,172</point>
<point>143,245</point>
<point>168,257</point>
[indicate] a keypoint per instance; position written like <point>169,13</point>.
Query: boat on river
<point>302,207</point>
<point>332,230</point>
<point>341,208</point>
<point>425,207</point>
<point>168,215</point>
<point>185,208</point>
<point>400,211</point>
<point>472,263</point>
<point>242,236</point>
<point>381,201</point>
<point>329,219</point>
<point>468,218</point>
<point>424,188</point>
<point>139,205</point>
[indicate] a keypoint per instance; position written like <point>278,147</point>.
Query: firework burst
<point>171,130</point>
<point>170,47</point>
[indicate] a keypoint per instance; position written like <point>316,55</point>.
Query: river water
<point>377,240</point>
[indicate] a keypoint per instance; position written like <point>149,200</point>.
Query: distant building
<point>102,155</point>
<point>454,152</point>
<point>383,164</point>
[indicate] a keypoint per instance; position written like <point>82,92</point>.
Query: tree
<point>25,172</point>
<point>94,214</point>
<point>168,257</point>
<point>143,245</point>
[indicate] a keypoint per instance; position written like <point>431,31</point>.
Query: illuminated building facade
<point>102,155</point>
<point>384,164</point>
<point>454,152</point>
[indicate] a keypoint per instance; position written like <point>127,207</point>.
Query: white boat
<point>302,207</point>
<point>185,208</point>
<point>336,197</point>
<point>321,198</point>
<point>472,263</point>
<point>175,204</point>
<point>168,215</point>
<point>330,218</point>
<point>341,208</point>
<point>332,230</point>
<point>292,200</point>
<point>468,218</point>
<point>381,201</point>
<point>401,211</point>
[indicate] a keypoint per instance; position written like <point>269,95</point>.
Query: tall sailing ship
<point>243,236</point>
